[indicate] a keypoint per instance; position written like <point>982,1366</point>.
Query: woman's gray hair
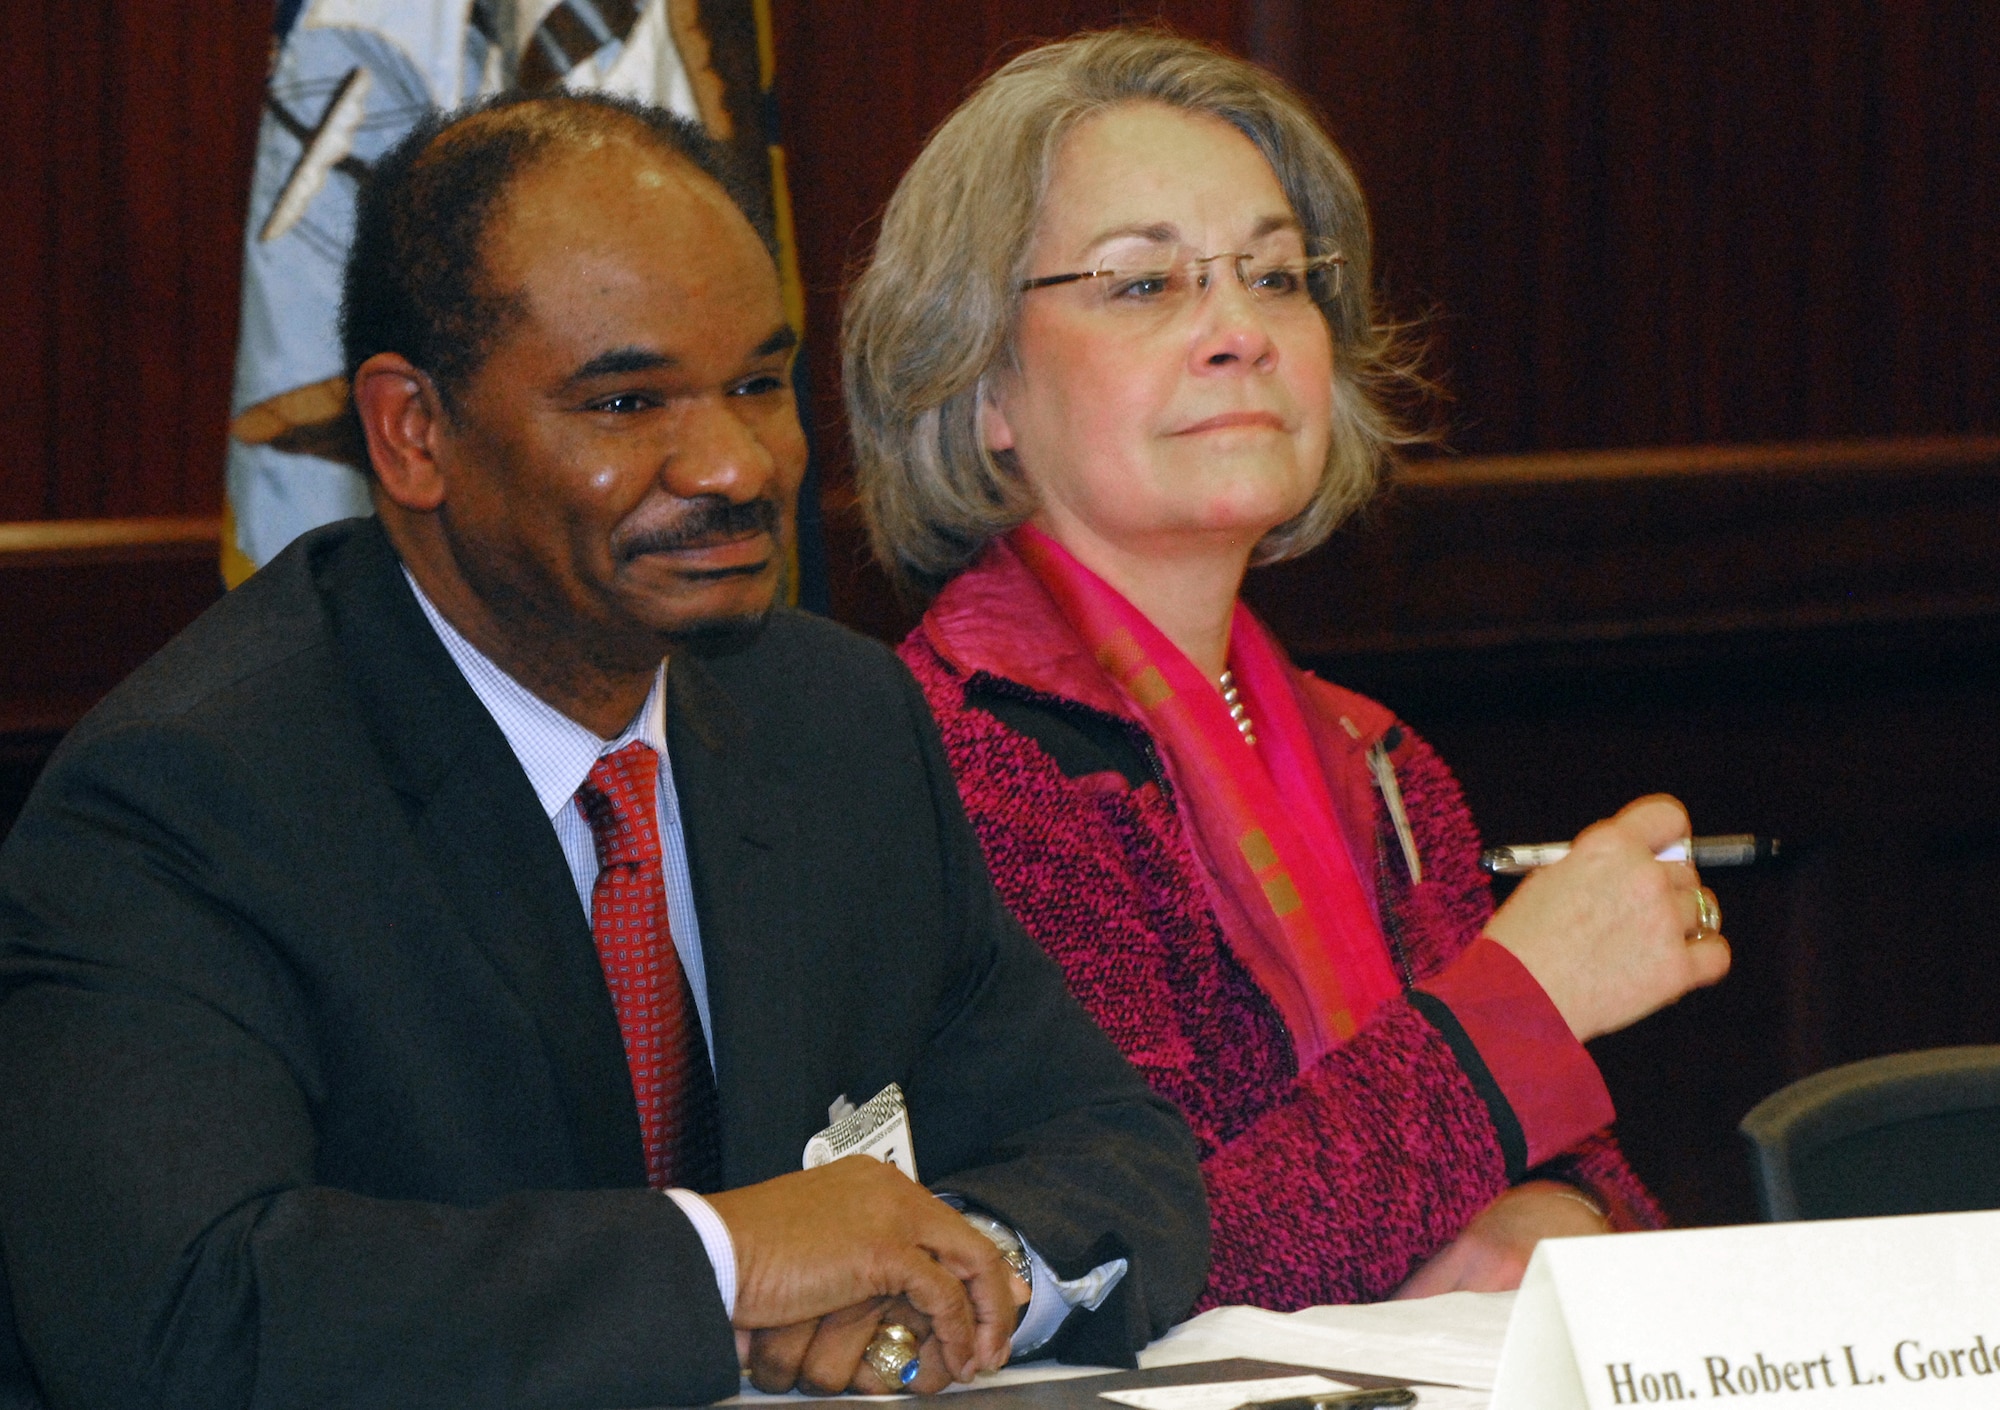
<point>934,313</point>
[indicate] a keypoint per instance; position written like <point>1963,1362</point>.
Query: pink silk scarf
<point>1281,877</point>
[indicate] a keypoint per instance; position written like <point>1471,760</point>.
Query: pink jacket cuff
<point>1554,1088</point>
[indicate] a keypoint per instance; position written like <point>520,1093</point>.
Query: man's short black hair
<point>416,281</point>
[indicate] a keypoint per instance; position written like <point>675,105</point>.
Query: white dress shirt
<point>557,754</point>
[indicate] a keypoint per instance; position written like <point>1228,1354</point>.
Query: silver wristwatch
<point>1006,1240</point>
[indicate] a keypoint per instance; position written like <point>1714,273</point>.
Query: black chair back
<point>1913,1133</point>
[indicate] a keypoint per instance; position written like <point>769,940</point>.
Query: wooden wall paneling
<point>1663,221</point>
<point>85,232</point>
<point>148,223</point>
<point>27,270</point>
<point>218,102</point>
<point>128,139</point>
<point>1902,246</point>
<point>1974,279</point>
<point>1417,96</point>
<point>1273,34</point>
<point>1940,98</point>
<point>1674,222</point>
<point>1835,355</point>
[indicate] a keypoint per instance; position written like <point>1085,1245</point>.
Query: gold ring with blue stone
<point>893,1354</point>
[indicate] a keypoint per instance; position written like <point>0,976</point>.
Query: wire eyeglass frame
<point>1300,271</point>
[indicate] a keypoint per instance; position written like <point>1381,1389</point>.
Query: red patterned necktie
<point>656,1012</point>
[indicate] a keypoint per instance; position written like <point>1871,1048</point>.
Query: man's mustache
<point>709,520</point>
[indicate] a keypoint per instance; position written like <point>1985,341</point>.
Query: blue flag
<point>351,77</point>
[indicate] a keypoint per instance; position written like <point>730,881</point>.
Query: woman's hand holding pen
<point>1609,932</point>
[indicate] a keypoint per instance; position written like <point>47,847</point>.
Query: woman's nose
<point>1231,328</point>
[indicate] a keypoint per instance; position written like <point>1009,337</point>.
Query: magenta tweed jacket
<point>1325,1186</point>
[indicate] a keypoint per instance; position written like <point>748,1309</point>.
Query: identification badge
<point>879,1127</point>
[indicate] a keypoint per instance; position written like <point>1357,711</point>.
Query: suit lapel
<point>738,813</point>
<point>495,858</point>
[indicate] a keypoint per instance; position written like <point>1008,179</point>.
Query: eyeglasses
<point>1281,285</point>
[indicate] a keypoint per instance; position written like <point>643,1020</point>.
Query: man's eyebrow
<point>783,339</point>
<point>621,360</point>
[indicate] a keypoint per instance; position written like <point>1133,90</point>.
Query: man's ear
<point>402,416</point>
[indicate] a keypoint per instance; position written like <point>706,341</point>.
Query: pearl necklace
<point>1234,700</point>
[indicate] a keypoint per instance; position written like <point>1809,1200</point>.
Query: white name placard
<point>1856,1313</point>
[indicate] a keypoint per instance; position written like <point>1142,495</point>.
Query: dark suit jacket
<point>310,1087</point>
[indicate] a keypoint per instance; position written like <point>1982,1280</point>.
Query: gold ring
<point>1708,915</point>
<point>893,1354</point>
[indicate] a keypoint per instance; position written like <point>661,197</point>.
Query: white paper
<point>1453,1339</point>
<point>1870,1312</point>
<point>1428,1397</point>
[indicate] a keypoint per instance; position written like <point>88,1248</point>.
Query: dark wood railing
<point>85,601</point>
<point>1663,542</point>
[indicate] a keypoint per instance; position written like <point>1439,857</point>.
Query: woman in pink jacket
<point>1116,345</point>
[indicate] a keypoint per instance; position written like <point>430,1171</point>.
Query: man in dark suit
<point>367,956</point>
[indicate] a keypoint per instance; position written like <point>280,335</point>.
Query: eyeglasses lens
<point>1280,285</point>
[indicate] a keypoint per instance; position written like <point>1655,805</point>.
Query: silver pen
<point>1733,849</point>
<point>1382,1396</point>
